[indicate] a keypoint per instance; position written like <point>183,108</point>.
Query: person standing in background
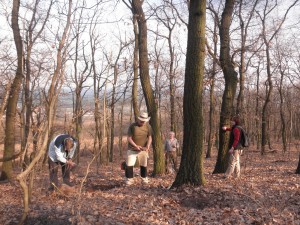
<point>171,146</point>
<point>235,148</point>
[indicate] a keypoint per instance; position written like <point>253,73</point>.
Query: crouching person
<point>60,153</point>
<point>139,142</point>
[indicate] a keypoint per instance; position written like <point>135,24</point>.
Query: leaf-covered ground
<point>267,193</point>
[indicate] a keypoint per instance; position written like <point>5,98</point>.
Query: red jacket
<point>236,136</point>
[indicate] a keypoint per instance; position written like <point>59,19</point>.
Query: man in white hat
<point>139,142</point>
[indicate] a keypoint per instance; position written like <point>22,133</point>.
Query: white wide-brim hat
<point>144,117</point>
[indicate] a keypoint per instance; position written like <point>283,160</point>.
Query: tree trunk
<point>28,104</point>
<point>212,135</point>
<point>112,111</point>
<point>9,143</point>
<point>171,85</point>
<point>105,123</point>
<point>265,111</point>
<point>191,166</point>
<point>159,165</point>
<point>230,76</point>
<point>78,119</point>
<point>98,135</point>
<point>282,113</point>
<point>135,69</point>
<point>5,100</point>
<point>54,90</point>
<point>267,39</point>
<point>257,111</point>
<point>121,125</point>
<point>32,34</point>
<point>240,109</point>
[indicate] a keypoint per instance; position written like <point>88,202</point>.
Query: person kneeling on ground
<point>139,142</point>
<point>60,153</point>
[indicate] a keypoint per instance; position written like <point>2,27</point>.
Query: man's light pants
<point>132,156</point>
<point>234,164</point>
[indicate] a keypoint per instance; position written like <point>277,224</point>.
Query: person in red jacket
<point>235,149</point>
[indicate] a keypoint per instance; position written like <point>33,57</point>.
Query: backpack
<point>243,137</point>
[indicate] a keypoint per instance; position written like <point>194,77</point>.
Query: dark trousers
<point>129,172</point>
<point>53,170</point>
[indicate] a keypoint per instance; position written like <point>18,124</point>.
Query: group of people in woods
<point>62,149</point>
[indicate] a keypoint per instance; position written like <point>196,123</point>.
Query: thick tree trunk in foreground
<point>191,166</point>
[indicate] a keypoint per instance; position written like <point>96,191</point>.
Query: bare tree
<point>244,26</point>
<point>211,80</point>
<point>135,68</point>
<point>191,166</point>
<point>267,39</point>
<point>167,17</point>
<point>147,89</point>
<point>5,99</point>
<point>95,40</point>
<point>116,66</point>
<point>54,90</point>
<point>134,90</point>
<point>80,76</point>
<point>282,57</point>
<point>9,145</point>
<point>31,37</point>
<point>230,76</point>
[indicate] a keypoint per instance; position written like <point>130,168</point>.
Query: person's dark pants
<point>53,170</point>
<point>129,171</point>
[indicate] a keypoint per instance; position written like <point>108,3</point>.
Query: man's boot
<point>144,175</point>
<point>129,175</point>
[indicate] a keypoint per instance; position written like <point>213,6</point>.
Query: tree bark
<point>240,108</point>
<point>98,134</point>
<point>9,143</point>
<point>53,93</point>
<point>191,166</point>
<point>267,39</point>
<point>31,37</point>
<point>112,112</point>
<point>135,69</point>
<point>212,135</point>
<point>230,76</point>
<point>159,165</point>
<point>4,101</point>
<point>282,111</point>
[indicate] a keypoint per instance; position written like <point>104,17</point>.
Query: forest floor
<point>268,192</point>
